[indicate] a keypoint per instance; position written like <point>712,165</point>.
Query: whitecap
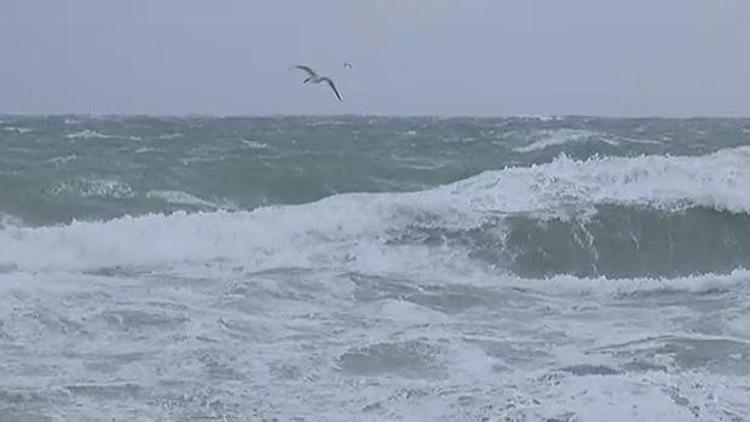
<point>168,136</point>
<point>87,134</point>
<point>253,144</point>
<point>61,159</point>
<point>549,138</point>
<point>17,129</point>
<point>93,188</point>
<point>182,198</point>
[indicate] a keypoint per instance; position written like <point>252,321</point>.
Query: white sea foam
<point>17,129</point>
<point>253,144</point>
<point>718,180</point>
<point>61,159</point>
<point>356,229</point>
<point>549,138</point>
<point>92,134</point>
<point>87,134</point>
<point>168,136</point>
<point>7,220</point>
<point>179,197</point>
<point>331,311</point>
<point>93,187</point>
<point>602,287</point>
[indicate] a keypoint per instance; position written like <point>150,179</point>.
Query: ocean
<point>374,269</point>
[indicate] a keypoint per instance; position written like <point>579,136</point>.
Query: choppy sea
<point>374,269</point>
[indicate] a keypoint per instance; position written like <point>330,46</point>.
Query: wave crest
<point>608,216</point>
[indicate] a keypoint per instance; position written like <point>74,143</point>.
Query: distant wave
<point>92,134</point>
<point>17,129</point>
<point>549,138</point>
<point>93,187</point>
<point>178,197</point>
<point>168,136</point>
<point>87,134</point>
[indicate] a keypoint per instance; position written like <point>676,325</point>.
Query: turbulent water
<point>375,269</point>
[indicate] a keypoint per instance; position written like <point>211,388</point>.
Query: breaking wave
<point>648,216</point>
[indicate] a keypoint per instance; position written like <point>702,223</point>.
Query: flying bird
<point>316,79</point>
<point>348,65</point>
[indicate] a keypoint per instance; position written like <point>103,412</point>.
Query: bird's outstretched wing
<point>333,87</point>
<point>307,69</point>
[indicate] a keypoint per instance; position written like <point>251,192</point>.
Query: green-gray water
<point>369,268</point>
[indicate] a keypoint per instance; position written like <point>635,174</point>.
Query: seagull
<point>316,79</point>
<point>347,65</point>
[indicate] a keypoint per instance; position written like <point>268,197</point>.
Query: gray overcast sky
<point>413,57</point>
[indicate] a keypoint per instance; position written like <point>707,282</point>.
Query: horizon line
<point>375,115</point>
